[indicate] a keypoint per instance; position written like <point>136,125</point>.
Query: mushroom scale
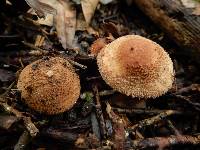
<point>136,66</point>
<point>49,85</point>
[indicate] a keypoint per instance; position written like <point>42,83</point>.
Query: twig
<point>95,125</point>
<point>27,120</point>
<point>32,46</point>
<point>106,92</point>
<point>152,120</point>
<point>192,87</point>
<point>60,135</point>
<point>99,111</point>
<point>23,141</point>
<point>93,78</point>
<point>144,111</point>
<point>38,52</point>
<point>196,106</point>
<point>77,64</point>
<point>20,60</point>
<point>8,89</point>
<point>163,142</point>
<point>173,128</point>
<point>118,127</point>
<point>10,36</point>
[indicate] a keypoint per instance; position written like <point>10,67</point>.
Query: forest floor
<point>101,118</point>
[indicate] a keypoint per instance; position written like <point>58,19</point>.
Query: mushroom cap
<point>97,46</point>
<point>136,66</point>
<point>49,85</point>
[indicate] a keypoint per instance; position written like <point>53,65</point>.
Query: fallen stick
<point>23,141</point>
<point>145,111</point>
<point>163,142</point>
<point>118,129</point>
<point>180,23</point>
<point>27,120</point>
<point>99,111</point>
<point>152,120</point>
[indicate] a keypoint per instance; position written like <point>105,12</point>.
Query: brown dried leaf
<point>192,4</point>
<point>64,18</point>
<point>7,121</point>
<point>89,7</point>
<point>65,23</point>
<point>48,20</point>
<point>41,8</point>
<point>197,10</point>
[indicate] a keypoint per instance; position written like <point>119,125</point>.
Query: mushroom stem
<point>141,103</point>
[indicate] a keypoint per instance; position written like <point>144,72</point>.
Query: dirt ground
<point>101,118</point>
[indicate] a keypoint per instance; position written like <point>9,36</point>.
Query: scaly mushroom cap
<point>49,85</point>
<point>97,46</point>
<point>136,66</point>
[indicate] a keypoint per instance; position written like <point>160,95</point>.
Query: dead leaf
<point>81,24</point>
<point>192,4</point>
<point>105,2</point>
<point>89,7</point>
<point>41,8</point>
<point>197,10</point>
<point>48,20</point>
<point>189,3</point>
<point>65,23</point>
<point>64,18</point>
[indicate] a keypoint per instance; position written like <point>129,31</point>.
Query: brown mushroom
<point>97,46</point>
<point>136,66</point>
<point>49,85</point>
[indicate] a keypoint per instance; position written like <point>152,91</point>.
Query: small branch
<point>93,78</point>
<point>152,120</point>
<point>118,128</point>
<point>192,87</point>
<point>60,135</point>
<point>196,106</point>
<point>144,111</point>
<point>77,64</point>
<point>173,128</point>
<point>106,92</point>
<point>8,89</point>
<point>99,111</point>
<point>163,142</point>
<point>27,120</point>
<point>33,46</point>
<point>23,141</point>
<point>95,125</point>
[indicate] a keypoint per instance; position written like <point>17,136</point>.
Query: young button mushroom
<point>136,66</point>
<point>49,85</point>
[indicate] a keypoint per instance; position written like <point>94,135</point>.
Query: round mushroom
<point>136,66</point>
<point>49,85</point>
<point>97,46</point>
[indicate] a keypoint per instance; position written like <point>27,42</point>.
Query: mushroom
<point>49,85</point>
<point>99,44</point>
<point>136,66</point>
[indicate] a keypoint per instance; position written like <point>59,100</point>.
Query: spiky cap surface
<point>136,66</point>
<point>49,86</point>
